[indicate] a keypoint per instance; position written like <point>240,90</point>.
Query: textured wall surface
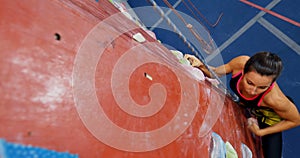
<point>74,80</point>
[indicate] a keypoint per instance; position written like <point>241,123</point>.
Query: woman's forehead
<point>258,79</point>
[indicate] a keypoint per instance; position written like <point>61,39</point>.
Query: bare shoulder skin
<point>235,65</point>
<point>276,100</point>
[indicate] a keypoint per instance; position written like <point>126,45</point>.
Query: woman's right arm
<point>233,66</point>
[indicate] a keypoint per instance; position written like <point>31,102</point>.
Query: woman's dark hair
<point>264,63</point>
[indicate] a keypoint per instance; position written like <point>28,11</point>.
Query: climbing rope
<point>206,47</point>
<point>198,55</point>
<point>200,14</point>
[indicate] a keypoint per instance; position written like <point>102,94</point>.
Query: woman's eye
<point>250,83</point>
<point>263,87</point>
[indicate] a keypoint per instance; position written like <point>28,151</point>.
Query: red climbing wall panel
<point>73,79</point>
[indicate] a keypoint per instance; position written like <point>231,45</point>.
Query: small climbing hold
<point>218,149</point>
<point>246,152</point>
<point>139,37</point>
<point>230,151</point>
<point>148,76</point>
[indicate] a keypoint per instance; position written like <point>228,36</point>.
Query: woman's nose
<point>253,90</point>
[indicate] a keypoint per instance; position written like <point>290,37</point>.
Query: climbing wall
<point>73,79</point>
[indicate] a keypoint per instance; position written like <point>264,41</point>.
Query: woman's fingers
<point>193,60</point>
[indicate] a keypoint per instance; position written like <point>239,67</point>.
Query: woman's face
<point>253,83</point>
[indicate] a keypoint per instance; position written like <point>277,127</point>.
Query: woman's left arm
<point>284,108</point>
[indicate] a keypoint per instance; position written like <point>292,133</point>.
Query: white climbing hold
<point>139,37</point>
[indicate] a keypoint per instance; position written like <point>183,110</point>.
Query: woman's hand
<point>195,62</point>
<point>253,126</point>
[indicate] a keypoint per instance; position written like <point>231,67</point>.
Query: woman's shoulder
<point>240,59</point>
<point>275,98</point>
<point>237,64</point>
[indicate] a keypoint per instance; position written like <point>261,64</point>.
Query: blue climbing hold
<point>12,150</point>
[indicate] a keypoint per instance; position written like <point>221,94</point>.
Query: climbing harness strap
<point>266,115</point>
